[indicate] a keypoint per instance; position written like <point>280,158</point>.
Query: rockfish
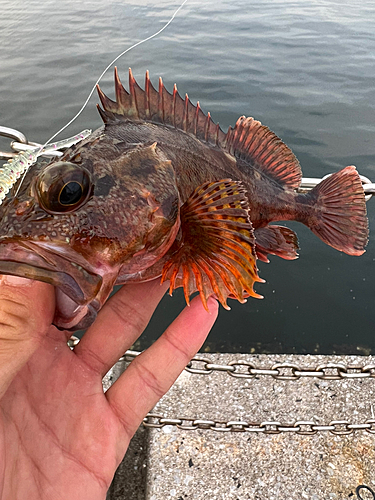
<point>161,191</point>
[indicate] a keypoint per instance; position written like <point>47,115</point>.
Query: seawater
<point>305,68</point>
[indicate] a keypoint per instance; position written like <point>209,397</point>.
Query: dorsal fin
<point>256,144</point>
<point>159,106</point>
<point>249,140</point>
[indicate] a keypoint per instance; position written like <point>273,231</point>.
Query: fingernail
<point>211,302</point>
<point>15,280</point>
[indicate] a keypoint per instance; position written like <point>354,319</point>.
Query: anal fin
<point>214,252</point>
<point>276,240</point>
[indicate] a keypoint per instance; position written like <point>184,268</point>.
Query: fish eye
<point>71,193</point>
<point>63,187</point>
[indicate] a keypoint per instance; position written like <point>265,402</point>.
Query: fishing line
<point>108,67</point>
<point>94,87</point>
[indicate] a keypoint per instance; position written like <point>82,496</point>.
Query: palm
<point>60,435</point>
<point>58,424</point>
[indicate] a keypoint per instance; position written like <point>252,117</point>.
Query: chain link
<point>302,427</point>
<point>279,371</point>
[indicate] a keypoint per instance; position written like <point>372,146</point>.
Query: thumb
<point>26,313</point>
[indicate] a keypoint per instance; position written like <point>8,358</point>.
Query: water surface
<point>305,68</point>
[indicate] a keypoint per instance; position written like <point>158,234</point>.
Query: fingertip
<point>212,305</point>
<point>199,320</point>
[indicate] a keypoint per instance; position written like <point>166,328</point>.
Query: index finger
<point>151,374</point>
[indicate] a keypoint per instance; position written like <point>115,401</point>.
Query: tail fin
<point>339,212</point>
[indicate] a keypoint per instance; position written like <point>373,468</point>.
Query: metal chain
<point>302,427</point>
<point>279,371</point>
<point>21,143</point>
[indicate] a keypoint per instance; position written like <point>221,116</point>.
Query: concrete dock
<point>291,427</point>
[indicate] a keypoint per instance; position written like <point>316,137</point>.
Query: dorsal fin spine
<point>160,104</point>
<point>230,135</point>
<point>121,95</point>
<point>217,134</point>
<point>107,103</point>
<point>102,113</point>
<point>197,108</point>
<point>185,119</point>
<point>117,87</point>
<point>147,95</point>
<point>174,104</point>
<point>226,143</point>
<point>207,126</point>
<point>132,93</point>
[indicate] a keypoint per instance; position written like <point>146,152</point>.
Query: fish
<point>160,191</point>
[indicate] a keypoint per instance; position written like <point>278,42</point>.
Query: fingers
<point>119,324</point>
<point>153,372</point>
<point>26,312</point>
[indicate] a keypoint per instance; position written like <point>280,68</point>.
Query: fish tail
<point>337,212</point>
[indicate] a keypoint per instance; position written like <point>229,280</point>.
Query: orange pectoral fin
<point>214,252</point>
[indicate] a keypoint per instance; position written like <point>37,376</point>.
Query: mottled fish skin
<point>160,190</point>
<point>101,237</point>
<point>195,163</point>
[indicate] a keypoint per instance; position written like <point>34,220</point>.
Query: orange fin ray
<point>258,146</point>
<point>214,252</point>
<point>276,240</point>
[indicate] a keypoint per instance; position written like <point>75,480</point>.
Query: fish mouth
<point>76,283</point>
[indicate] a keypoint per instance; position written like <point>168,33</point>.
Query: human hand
<point>61,437</point>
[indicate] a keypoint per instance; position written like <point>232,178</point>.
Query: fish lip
<point>79,282</point>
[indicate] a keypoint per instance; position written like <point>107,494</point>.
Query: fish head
<point>99,211</point>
